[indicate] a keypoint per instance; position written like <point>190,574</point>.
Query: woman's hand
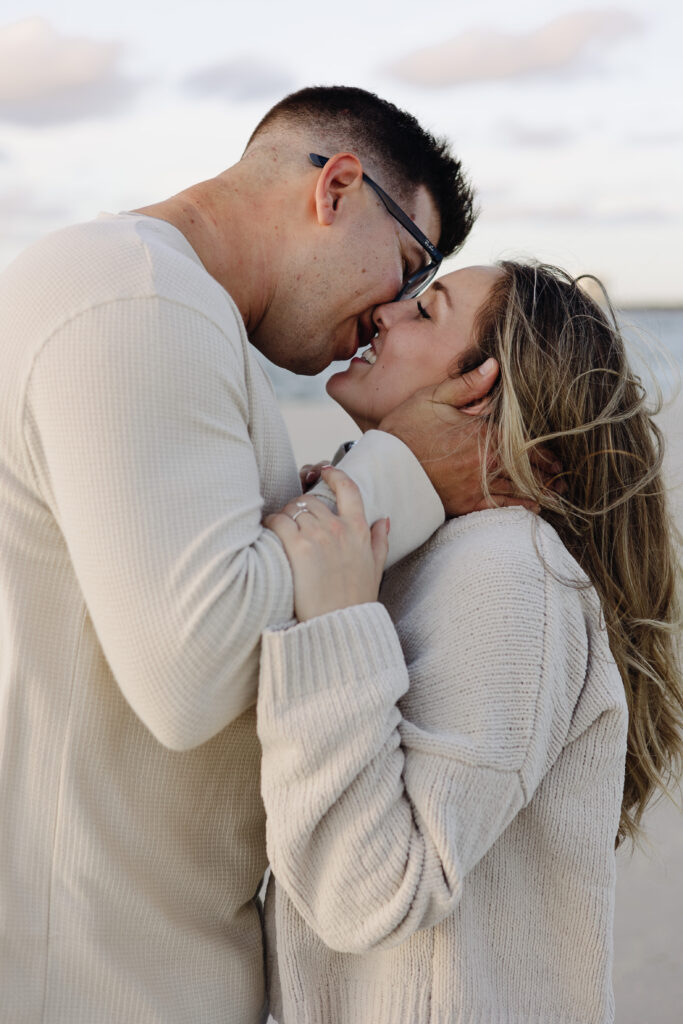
<point>336,560</point>
<point>309,474</point>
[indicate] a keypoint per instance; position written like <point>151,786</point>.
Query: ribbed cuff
<point>356,647</point>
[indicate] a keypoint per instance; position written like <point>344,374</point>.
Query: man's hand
<point>442,427</point>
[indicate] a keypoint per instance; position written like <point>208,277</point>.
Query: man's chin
<point>304,366</point>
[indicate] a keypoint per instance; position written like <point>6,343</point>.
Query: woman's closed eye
<point>423,312</point>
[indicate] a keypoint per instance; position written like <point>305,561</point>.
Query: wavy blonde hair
<point>565,384</point>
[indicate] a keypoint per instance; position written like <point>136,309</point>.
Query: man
<point>140,448</point>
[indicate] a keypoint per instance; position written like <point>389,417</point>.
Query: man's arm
<point>136,424</point>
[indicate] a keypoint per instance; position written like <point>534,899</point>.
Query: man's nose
<point>388,313</point>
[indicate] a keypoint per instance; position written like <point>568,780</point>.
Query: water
<point>656,339</point>
<point>655,333</point>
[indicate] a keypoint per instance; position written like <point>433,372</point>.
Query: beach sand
<point>648,969</point>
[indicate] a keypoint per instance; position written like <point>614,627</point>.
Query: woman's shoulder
<point>507,567</point>
<point>498,595</point>
<point>505,540</point>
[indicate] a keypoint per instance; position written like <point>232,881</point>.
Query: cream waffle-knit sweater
<point>140,446</point>
<point>443,791</point>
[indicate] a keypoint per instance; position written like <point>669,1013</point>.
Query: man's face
<point>360,263</point>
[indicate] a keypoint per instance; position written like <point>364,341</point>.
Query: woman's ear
<point>341,176</point>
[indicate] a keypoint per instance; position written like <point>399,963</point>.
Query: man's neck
<point>220,220</point>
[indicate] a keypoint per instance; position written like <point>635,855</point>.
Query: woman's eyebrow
<point>438,287</point>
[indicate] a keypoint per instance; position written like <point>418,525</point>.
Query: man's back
<point>130,852</point>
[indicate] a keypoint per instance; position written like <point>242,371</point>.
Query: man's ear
<point>341,176</point>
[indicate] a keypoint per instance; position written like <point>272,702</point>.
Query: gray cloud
<point>21,208</point>
<point>541,136</point>
<point>559,45</point>
<point>575,213</point>
<point>664,137</point>
<point>240,79</point>
<point>46,78</point>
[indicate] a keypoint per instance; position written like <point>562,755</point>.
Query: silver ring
<point>300,512</point>
<point>302,504</point>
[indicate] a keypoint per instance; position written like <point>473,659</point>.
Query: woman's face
<point>417,343</point>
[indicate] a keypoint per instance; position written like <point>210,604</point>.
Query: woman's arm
<point>374,820</point>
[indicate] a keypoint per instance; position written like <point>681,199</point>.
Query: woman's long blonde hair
<point>565,384</point>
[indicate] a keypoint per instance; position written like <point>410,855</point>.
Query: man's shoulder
<point>105,276</point>
<point>115,256</point>
<point>111,259</point>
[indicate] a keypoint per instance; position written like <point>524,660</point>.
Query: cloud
<point>485,55</point>
<point>20,208</point>
<point>588,214</point>
<point>540,136</point>
<point>46,78</point>
<point>241,79</point>
<point>663,137</point>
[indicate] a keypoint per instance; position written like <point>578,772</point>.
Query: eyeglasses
<point>418,281</point>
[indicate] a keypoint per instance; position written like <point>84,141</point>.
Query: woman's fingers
<point>282,525</point>
<point>347,494</point>
<point>304,472</point>
<point>305,506</point>
<point>309,474</point>
<point>287,524</point>
<point>336,560</point>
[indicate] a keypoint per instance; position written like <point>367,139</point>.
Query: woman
<point>446,773</point>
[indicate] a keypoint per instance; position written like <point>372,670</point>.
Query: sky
<point>567,115</point>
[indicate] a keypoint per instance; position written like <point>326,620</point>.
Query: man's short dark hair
<point>408,155</point>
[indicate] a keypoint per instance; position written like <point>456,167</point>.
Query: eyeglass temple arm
<point>393,208</point>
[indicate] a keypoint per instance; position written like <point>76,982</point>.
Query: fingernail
<point>328,465</point>
<point>487,366</point>
<point>388,524</point>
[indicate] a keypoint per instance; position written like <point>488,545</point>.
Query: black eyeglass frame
<point>423,277</point>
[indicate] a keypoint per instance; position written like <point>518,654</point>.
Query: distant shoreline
<point>673,308</point>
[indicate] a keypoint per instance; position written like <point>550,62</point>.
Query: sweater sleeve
<point>374,819</point>
<point>392,482</point>
<point>136,424</point>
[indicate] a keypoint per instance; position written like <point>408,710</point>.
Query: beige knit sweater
<point>140,446</point>
<point>443,792</point>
